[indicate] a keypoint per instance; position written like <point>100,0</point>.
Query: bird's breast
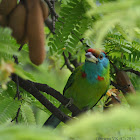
<point>87,92</point>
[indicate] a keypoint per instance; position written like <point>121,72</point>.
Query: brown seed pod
<point>35,32</point>
<point>3,21</point>
<point>124,81</point>
<point>45,9</point>
<point>17,21</point>
<point>6,6</point>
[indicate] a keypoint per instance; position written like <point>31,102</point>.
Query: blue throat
<point>92,71</point>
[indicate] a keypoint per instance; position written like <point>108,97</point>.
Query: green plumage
<point>83,93</point>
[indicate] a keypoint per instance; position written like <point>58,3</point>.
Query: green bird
<point>87,84</point>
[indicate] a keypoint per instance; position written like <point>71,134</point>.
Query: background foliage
<point>110,24</point>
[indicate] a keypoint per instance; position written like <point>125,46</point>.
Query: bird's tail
<point>52,121</point>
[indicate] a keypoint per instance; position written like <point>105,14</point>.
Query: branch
<point>53,13</point>
<point>54,16</point>
<point>74,61</point>
<point>49,24</point>
<point>116,69</point>
<point>30,87</point>
<point>133,71</point>
<point>16,117</point>
<point>17,81</point>
<point>81,40</point>
<point>67,63</point>
<point>45,88</point>
<point>118,87</point>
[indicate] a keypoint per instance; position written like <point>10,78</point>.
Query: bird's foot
<point>111,92</point>
<point>69,103</point>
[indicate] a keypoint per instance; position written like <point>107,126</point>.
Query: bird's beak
<point>90,57</point>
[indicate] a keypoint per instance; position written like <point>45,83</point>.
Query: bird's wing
<point>100,98</point>
<point>71,79</point>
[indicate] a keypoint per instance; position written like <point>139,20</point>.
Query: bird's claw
<point>69,103</point>
<point>111,92</point>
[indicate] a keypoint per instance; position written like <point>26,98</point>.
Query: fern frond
<point>8,45</point>
<point>8,108</point>
<point>27,114</point>
<point>122,51</point>
<point>70,27</point>
<point>133,65</point>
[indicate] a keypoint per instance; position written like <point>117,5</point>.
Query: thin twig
<point>116,98</point>
<point>67,63</point>
<point>118,87</point>
<point>133,71</point>
<point>81,40</point>
<point>51,8</point>
<point>73,61</point>
<point>54,16</point>
<point>16,118</point>
<point>20,48</point>
<point>116,69</point>
<point>17,81</point>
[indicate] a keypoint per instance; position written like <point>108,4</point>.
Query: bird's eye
<point>101,56</point>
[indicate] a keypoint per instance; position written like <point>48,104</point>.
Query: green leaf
<point>25,75</point>
<point>8,109</point>
<point>71,19</point>
<point>27,114</point>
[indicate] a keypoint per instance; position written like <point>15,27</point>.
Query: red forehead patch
<point>91,50</point>
<point>96,52</point>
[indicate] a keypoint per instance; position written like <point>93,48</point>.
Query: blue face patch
<point>104,61</point>
<point>93,70</point>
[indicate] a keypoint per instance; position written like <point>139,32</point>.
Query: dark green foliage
<point>8,109</point>
<point>125,54</point>
<point>27,115</point>
<point>71,25</point>
<point>8,46</point>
